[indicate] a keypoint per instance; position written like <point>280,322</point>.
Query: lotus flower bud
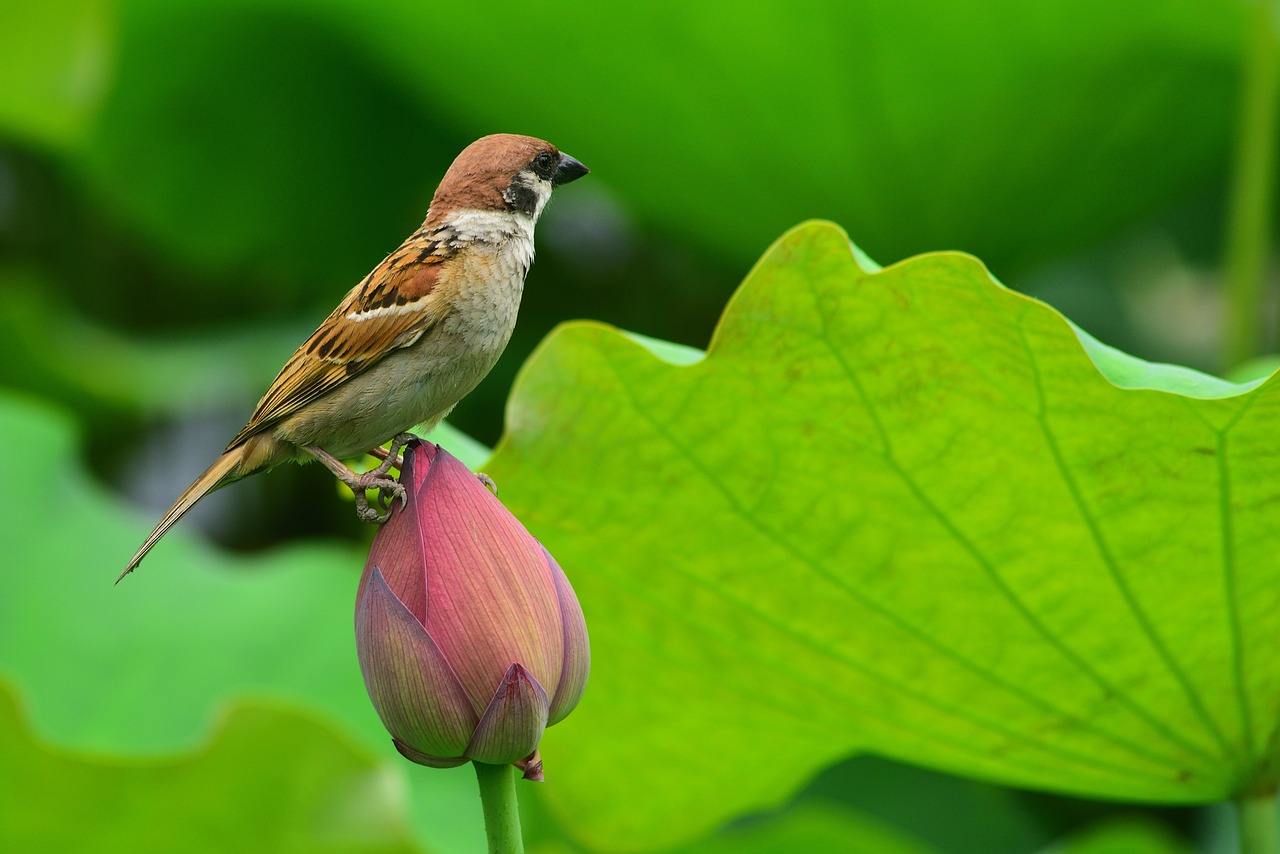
<point>470,639</point>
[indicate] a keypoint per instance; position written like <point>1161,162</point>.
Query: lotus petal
<point>577,647</point>
<point>426,759</point>
<point>398,548</point>
<point>512,724</point>
<point>493,602</point>
<point>412,686</point>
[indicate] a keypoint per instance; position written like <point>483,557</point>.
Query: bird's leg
<point>360,483</point>
<point>487,482</point>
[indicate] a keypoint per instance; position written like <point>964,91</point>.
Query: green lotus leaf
<point>907,512</point>
<point>269,779</point>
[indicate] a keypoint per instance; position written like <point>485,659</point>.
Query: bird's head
<point>505,172</point>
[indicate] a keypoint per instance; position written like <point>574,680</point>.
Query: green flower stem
<point>501,811</point>
<point>1259,831</point>
<point>1249,218</point>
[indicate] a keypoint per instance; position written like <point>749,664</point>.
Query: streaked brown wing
<point>390,309</point>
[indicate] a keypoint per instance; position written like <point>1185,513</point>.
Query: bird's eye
<point>544,163</point>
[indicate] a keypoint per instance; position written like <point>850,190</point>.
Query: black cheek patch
<point>522,198</point>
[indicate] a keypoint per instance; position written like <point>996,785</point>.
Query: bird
<point>411,339</point>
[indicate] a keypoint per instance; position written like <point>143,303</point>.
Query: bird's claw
<point>387,496</point>
<point>367,513</point>
<point>487,481</point>
<point>389,489</point>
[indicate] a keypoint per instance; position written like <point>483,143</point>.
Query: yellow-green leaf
<point>902,512</point>
<point>270,779</point>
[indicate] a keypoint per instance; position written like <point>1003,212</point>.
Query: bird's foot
<point>392,458</point>
<point>389,489</point>
<point>487,481</point>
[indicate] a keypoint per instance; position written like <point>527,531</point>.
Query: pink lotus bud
<point>470,639</point>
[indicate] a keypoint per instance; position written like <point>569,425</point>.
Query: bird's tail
<point>225,469</point>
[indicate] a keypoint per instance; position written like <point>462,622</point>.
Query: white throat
<point>490,226</point>
<point>508,232</point>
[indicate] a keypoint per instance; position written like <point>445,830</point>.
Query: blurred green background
<point>187,187</point>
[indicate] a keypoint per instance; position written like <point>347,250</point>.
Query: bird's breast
<point>487,289</point>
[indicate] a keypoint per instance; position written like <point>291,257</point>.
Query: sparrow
<point>411,339</point>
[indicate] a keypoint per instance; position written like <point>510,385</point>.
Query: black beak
<point>568,170</point>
